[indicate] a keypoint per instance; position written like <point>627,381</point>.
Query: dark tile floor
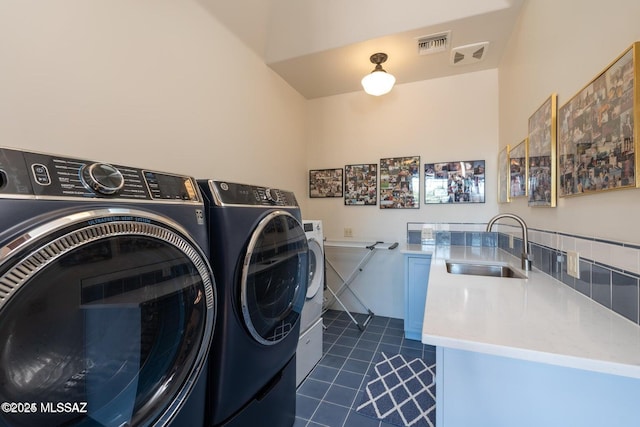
<point>329,395</point>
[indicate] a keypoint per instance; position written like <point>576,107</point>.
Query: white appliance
<point>309,351</point>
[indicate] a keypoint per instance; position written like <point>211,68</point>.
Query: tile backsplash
<point>609,271</point>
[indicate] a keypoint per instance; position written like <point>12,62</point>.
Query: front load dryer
<point>107,299</point>
<point>309,350</point>
<point>259,255</point>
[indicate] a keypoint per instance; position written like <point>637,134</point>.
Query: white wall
<point>152,83</point>
<point>559,46</point>
<point>320,25</point>
<point>448,119</point>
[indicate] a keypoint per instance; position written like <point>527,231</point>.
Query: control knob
<point>271,196</point>
<point>102,178</point>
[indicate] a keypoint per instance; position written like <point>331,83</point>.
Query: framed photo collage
<point>457,182</point>
<point>590,142</point>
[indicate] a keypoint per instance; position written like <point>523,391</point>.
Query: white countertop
<point>538,319</point>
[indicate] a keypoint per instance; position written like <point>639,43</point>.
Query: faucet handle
<point>527,261</point>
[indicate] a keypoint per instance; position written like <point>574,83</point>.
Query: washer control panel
<point>228,193</point>
<point>24,173</point>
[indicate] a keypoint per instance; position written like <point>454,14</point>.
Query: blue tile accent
<point>583,284</point>
<point>473,239</point>
<point>624,295</point>
<point>490,239</point>
<point>458,238</point>
<point>545,261</point>
<point>517,246</point>
<point>564,276</point>
<point>601,285</point>
<point>536,251</point>
<point>612,287</point>
<point>414,237</point>
<point>443,238</point>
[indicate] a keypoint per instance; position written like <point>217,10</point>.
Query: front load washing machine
<point>259,254</point>
<point>107,299</point>
<point>313,304</point>
<point>309,350</point>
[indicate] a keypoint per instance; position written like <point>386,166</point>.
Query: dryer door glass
<point>107,326</point>
<point>274,278</point>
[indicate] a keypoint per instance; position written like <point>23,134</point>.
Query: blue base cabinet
<point>416,279</point>
<point>483,390</point>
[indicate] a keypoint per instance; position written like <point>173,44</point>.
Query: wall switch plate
<point>348,232</point>
<point>510,241</point>
<point>573,264</point>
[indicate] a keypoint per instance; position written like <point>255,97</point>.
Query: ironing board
<point>372,248</point>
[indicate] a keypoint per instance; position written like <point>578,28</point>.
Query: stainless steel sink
<point>476,269</point>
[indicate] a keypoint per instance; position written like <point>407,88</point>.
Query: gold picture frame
<point>597,143</point>
<point>541,159</point>
<point>518,170</point>
<point>503,175</point>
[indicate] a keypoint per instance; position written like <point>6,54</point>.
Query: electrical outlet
<point>510,241</point>
<point>426,234</point>
<point>573,264</point>
<point>348,232</point>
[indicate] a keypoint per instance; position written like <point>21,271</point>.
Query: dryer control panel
<point>24,174</point>
<point>229,193</point>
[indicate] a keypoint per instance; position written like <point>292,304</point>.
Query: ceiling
<point>322,47</point>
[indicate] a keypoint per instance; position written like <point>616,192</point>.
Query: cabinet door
<point>416,270</point>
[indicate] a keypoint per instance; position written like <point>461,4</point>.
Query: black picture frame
<point>454,182</point>
<point>325,183</point>
<point>400,183</point>
<point>361,184</point>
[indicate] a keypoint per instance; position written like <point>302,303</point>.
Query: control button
<point>190,190</point>
<point>41,174</point>
<point>102,178</point>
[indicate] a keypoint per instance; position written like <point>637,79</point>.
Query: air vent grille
<point>434,43</point>
<point>469,54</point>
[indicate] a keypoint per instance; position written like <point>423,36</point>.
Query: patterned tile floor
<point>330,394</point>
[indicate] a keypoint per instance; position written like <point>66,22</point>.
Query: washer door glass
<point>107,324</point>
<point>274,278</point>
<point>316,268</point>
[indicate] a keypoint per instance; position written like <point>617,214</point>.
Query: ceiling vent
<point>434,43</point>
<point>469,54</point>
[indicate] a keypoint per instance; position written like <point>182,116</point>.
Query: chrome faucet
<point>526,255</point>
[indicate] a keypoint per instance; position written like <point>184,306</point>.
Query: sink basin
<point>491,270</point>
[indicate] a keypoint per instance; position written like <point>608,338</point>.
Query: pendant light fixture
<point>378,82</point>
